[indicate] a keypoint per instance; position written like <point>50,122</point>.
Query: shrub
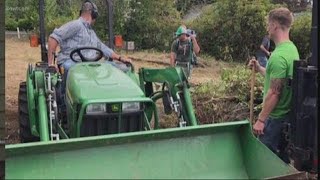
<point>300,34</point>
<point>232,29</point>
<point>11,24</point>
<point>25,24</point>
<point>151,24</point>
<point>227,99</point>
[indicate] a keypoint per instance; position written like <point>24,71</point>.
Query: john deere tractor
<point>100,99</point>
<point>110,128</point>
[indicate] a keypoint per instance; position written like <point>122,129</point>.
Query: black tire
<point>24,122</point>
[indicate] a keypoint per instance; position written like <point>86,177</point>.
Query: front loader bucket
<point>218,151</point>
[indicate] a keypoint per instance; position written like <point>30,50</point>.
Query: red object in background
<point>34,40</point>
<point>118,40</point>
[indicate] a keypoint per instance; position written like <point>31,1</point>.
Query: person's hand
<point>269,53</point>
<point>254,62</point>
<point>192,37</point>
<point>258,127</point>
<point>123,59</point>
<point>55,66</point>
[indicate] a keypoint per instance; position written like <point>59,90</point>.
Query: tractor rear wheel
<point>25,130</point>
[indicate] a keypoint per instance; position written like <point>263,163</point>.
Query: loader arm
<point>174,92</point>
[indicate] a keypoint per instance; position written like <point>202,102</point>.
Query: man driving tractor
<point>75,34</point>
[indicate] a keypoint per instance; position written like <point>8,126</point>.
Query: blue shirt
<point>75,34</point>
<point>266,44</point>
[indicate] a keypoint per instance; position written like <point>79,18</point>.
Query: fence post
<point>18,32</point>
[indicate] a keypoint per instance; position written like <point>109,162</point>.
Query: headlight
<point>96,108</point>
<point>130,106</point>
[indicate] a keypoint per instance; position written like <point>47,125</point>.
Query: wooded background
<point>226,29</point>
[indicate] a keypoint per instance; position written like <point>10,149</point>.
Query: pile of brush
<point>228,99</point>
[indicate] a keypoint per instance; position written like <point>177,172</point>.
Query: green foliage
<point>120,14</point>
<point>300,34</point>
<point>25,24</point>
<point>226,29</point>
<point>228,98</point>
<point>11,24</point>
<point>294,5</point>
<point>237,82</point>
<point>233,81</point>
<point>232,29</point>
<point>184,5</point>
<point>151,23</point>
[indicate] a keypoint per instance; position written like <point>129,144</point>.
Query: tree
<point>300,34</point>
<point>294,5</point>
<point>151,23</point>
<point>232,30</point>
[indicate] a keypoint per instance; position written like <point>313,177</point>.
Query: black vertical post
<point>44,57</point>
<point>314,34</point>
<point>110,23</point>
<point>314,62</point>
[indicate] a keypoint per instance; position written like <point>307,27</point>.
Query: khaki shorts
<point>186,67</point>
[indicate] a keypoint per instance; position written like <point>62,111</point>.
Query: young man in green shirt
<point>277,90</point>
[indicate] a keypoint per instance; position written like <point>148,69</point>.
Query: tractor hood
<point>100,81</point>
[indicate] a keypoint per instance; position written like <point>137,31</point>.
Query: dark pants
<point>262,60</point>
<point>274,137</point>
<point>186,68</point>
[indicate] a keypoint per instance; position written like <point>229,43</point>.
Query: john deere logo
<point>115,107</point>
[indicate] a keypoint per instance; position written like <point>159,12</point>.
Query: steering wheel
<point>83,58</point>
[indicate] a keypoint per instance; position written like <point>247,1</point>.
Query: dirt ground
<point>19,54</point>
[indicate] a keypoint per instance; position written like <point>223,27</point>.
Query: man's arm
<point>196,47</point>
<point>264,44</point>
<point>119,58</point>
<point>265,50</point>
<point>107,52</point>
<point>271,98</point>
<point>258,67</point>
<point>52,46</point>
<point>172,58</point>
<point>174,47</point>
<point>64,32</point>
<point>261,69</point>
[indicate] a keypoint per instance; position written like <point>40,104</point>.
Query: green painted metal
<point>37,105</point>
<point>33,119</point>
<point>190,110</point>
<point>62,133</point>
<point>218,151</point>
<point>101,83</point>
<point>92,81</point>
<point>75,132</point>
<point>43,116</point>
<point>176,83</point>
<point>156,116</point>
<point>141,80</point>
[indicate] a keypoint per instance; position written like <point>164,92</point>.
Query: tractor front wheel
<point>25,130</point>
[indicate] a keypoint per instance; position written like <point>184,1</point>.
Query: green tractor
<point>100,99</point>
<point>111,128</point>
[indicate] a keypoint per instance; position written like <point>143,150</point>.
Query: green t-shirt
<point>183,50</point>
<point>280,65</point>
